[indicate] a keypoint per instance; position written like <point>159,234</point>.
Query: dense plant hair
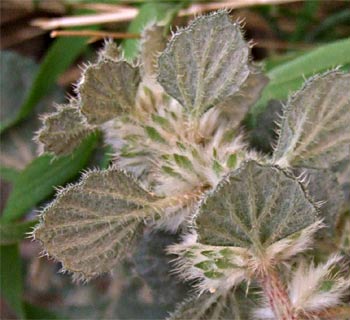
<point>182,163</point>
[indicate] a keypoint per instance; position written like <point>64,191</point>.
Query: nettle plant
<point>182,163</point>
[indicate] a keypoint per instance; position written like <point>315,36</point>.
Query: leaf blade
<point>200,70</point>
<point>63,130</point>
<point>254,206</point>
<point>108,89</point>
<point>315,131</point>
<point>92,224</point>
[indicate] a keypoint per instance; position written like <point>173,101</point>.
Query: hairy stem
<point>277,296</point>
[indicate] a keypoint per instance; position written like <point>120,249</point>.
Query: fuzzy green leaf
<point>110,51</point>
<point>205,63</point>
<point>153,43</point>
<point>108,89</point>
<point>63,130</point>
<point>254,206</point>
<point>315,129</point>
<point>92,224</point>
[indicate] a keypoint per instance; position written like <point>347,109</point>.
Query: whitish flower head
<point>314,290</point>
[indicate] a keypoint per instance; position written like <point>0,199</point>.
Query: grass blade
<point>11,278</point>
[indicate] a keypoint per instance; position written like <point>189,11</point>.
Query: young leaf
<point>253,207</point>
<point>92,224</point>
<point>63,130</point>
<point>37,181</point>
<point>107,90</point>
<point>152,43</point>
<point>205,63</point>
<point>315,129</point>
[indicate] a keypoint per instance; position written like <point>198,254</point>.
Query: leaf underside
<point>254,206</point>
<point>92,224</point>
<point>204,63</point>
<point>315,130</point>
<point>108,90</point>
<point>63,130</point>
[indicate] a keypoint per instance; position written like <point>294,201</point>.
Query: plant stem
<point>277,296</point>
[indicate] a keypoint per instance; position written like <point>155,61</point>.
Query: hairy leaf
<point>152,44</point>
<point>63,130</point>
<point>205,63</point>
<point>93,223</point>
<point>254,206</point>
<point>315,129</point>
<point>110,51</point>
<point>108,89</point>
